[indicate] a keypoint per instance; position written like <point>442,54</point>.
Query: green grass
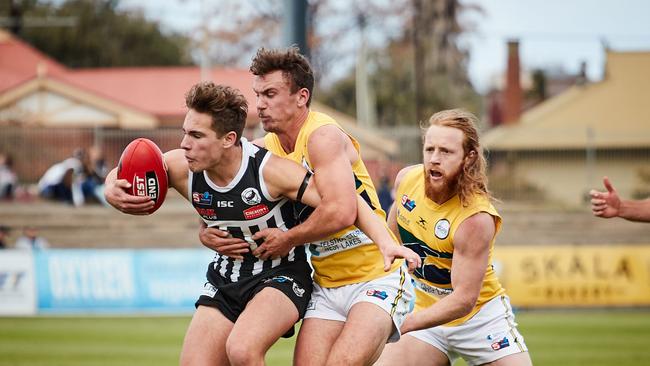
<point>595,338</point>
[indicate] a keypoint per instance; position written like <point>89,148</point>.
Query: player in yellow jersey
<point>361,296</point>
<point>442,211</point>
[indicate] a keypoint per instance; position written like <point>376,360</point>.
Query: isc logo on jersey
<point>147,185</point>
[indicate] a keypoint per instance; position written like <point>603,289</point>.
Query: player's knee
<point>242,353</point>
<point>345,358</point>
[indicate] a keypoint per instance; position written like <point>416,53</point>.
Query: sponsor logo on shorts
<point>408,203</point>
<point>209,290</point>
<point>298,290</point>
<point>503,343</point>
<point>251,196</point>
<point>311,305</point>
<point>279,279</point>
<point>255,212</point>
<point>204,198</point>
<point>442,229</point>
<point>377,293</point>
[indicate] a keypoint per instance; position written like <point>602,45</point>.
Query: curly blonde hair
<point>473,176</point>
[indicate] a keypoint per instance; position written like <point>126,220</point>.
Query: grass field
<point>620,338</point>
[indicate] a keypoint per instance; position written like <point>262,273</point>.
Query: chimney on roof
<point>581,79</point>
<point>512,102</point>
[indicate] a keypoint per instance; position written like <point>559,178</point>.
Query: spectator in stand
<point>4,234</point>
<point>8,177</point>
<point>62,181</point>
<point>31,239</point>
<point>95,174</point>
<point>385,193</point>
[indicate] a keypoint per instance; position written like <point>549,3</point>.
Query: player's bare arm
<point>470,259</point>
<point>177,170</point>
<point>285,178</point>
<point>608,204</point>
<point>115,192</point>
<point>334,180</point>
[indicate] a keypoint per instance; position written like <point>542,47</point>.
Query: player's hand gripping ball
<point>142,164</point>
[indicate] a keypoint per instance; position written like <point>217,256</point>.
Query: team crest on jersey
<point>408,204</point>
<point>204,198</point>
<point>442,229</point>
<point>251,196</point>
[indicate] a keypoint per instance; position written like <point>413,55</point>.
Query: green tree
<point>421,71</point>
<point>102,35</point>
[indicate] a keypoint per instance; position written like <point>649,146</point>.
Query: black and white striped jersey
<point>242,208</point>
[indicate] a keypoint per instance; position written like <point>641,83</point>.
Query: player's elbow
<point>466,304</point>
<point>344,220</point>
<point>342,216</point>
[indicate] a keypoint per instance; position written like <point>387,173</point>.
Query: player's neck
<point>225,171</point>
<point>289,136</point>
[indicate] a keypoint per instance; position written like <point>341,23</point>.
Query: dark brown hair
<point>294,66</point>
<point>227,106</point>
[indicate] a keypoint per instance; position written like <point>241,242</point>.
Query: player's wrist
<point>290,238</point>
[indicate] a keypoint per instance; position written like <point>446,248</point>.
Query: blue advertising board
<point>119,280</point>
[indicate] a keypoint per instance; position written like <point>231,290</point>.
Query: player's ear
<point>471,156</point>
<point>303,97</point>
<point>230,139</point>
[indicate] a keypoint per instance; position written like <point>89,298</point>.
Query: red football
<point>143,166</point>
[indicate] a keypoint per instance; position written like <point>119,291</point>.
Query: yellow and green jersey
<point>428,229</point>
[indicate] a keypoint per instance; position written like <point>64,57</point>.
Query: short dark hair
<point>227,106</point>
<point>294,66</point>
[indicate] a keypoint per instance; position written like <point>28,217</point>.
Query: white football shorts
<point>394,293</point>
<point>489,335</point>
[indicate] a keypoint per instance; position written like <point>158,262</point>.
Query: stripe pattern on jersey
<point>242,208</point>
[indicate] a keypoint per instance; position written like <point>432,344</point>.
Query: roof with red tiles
<point>20,62</point>
<point>158,91</point>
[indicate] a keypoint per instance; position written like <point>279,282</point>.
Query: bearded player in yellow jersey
<point>442,211</point>
<point>361,294</point>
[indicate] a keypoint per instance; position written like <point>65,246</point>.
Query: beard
<point>443,189</point>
